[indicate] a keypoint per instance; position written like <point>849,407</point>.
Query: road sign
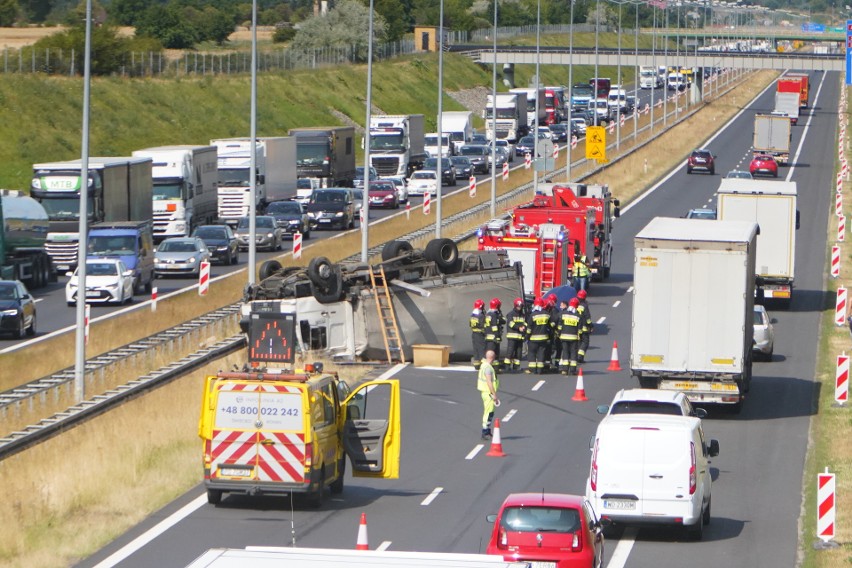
<point>596,143</point>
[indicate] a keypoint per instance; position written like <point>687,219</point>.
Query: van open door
<point>370,429</point>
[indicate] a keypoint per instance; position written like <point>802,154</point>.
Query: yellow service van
<point>280,433</point>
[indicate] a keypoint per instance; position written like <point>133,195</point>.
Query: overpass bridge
<point>526,55</point>
<point>773,34</point>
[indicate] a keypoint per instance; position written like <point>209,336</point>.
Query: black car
<point>17,309</point>
<point>448,175</point>
<point>463,166</point>
<point>290,216</point>
<point>332,208</point>
<point>559,132</point>
<point>525,145</point>
<point>478,155</point>
<point>221,242</point>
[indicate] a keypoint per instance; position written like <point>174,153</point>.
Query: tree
<point>346,25</point>
<point>397,18</point>
<point>167,24</point>
<point>127,12</point>
<point>9,12</point>
<point>213,24</point>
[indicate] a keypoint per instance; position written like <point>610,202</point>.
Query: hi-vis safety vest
<point>482,382</point>
<point>580,268</point>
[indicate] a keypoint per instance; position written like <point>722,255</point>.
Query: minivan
<point>651,470</point>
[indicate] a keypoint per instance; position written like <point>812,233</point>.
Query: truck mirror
<point>261,179</point>
<point>713,450</point>
<point>699,412</point>
<point>797,219</point>
<point>616,211</point>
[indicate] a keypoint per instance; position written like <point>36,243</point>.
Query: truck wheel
<point>328,294</point>
<point>214,496</point>
<point>445,254</point>
<point>320,271</point>
<point>393,249</point>
<point>268,268</point>
<point>337,485</point>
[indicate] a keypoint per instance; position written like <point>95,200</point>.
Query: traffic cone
<point>362,534</point>
<point>496,450</point>
<point>580,393</point>
<point>613,360</point>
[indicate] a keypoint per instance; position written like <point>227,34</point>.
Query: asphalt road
<point>447,484</point>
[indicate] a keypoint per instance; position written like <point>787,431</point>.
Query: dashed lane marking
<point>432,496</point>
<point>474,451</point>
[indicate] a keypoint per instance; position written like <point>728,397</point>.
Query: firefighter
<point>493,325</point>
<point>477,329</point>
<point>568,329</point>
<point>516,329</point>
<point>586,325</point>
<point>539,335</point>
<point>555,347</point>
<point>581,272</point>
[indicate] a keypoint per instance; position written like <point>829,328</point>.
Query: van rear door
<point>370,428</point>
<point>620,455</point>
<point>666,470</point>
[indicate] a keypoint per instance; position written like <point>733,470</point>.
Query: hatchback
<point>383,194</point>
<point>702,160</point>
<point>763,164</point>
<point>764,334</point>
<point>267,233</point>
<point>108,280</point>
<point>220,241</point>
<point>180,255</point>
<point>17,309</point>
<point>463,167</point>
<point>547,529</point>
<point>478,155</point>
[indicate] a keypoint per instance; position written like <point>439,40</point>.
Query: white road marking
<point>630,289</point>
<point>619,556</point>
<point>474,451</point>
<point>136,544</point>
<point>616,304</point>
<point>384,546</point>
<point>538,385</point>
<point>391,372</point>
<point>449,368</point>
<point>510,414</point>
<point>601,320</point>
<point>432,496</point>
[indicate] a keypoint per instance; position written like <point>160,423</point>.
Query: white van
<point>651,470</point>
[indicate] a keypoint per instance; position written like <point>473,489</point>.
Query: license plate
<point>93,294</point>
<point>723,387</point>
<point>543,564</point>
<point>686,386</point>
<point>620,504</point>
<point>325,220</point>
<point>234,472</point>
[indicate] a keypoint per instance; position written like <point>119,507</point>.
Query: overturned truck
<point>341,308</point>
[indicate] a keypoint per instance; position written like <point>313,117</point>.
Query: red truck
<point>795,83</point>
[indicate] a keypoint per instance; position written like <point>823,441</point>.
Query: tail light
<point>576,543</point>
<point>692,474</point>
<point>502,538</point>
<point>593,475</point>
<point>309,456</point>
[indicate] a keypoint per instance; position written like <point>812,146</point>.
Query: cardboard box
<point>431,355</point>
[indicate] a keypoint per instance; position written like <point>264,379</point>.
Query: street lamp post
<point>570,89</point>
<point>365,204</point>
<point>252,245</point>
<point>440,172</point>
<point>494,120</point>
<point>537,83</point>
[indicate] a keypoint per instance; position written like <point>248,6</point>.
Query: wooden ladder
<point>387,315</point>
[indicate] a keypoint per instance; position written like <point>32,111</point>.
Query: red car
<point>764,164</point>
<point>553,528</point>
<point>383,194</point>
<point>703,160</point>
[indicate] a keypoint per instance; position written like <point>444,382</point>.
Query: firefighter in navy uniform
<point>516,329</point>
<point>568,330</point>
<point>493,325</point>
<point>477,332</point>
<point>555,348</point>
<point>539,335</point>
<point>586,326</point>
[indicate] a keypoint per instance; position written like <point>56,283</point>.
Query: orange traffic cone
<point>580,393</point>
<point>362,534</point>
<point>613,360</point>
<point>496,450</point>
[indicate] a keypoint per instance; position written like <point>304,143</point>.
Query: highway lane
<point>757,485</point>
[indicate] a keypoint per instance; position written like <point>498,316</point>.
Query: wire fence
<point>56,61</point>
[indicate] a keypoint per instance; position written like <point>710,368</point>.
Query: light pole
<point>252,247</point>
<point>494,120</point>
<point>597,56</point>
<point>365,204</point>
<point>537,83</point>
<point>570,89</point>
<point>440,127</point>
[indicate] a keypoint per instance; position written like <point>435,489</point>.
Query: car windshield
<point>284,207</point>
<point>473,150</point>
<point>423,175</point>
<point>8,291</point>
<point>739,174</point>
<point>210,232</point>
<point>645,407</point>
<point>304,183</point>
<point>526,141</point>
<point>328,197</point>
<point>113,246</point>
<point>758,317</point>
<point>432,163</point>
<point>702,214</point>
<point>704,155</point>
<point>101,269</point>
<point>540,519</point>
<point>177,246</point>
<point>460,160</point>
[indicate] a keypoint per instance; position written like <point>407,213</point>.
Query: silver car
<point>268,235</point>
<point>180,255</point>
<point>401,187</point>
<point>764,334</point>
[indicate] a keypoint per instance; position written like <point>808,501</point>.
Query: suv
<point>330,208</point>
<point>703,160</point>
<point>448,170</point>
<point>651,401</point>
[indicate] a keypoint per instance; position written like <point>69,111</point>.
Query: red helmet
<point>550,300</point>
<point>574,302</point>
<point>519,302</point>
<point>478,304</point>
<point>581,294</point>
<point>538,303</point>
<point>495,303</point>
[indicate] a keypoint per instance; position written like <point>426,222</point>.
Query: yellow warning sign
<point>596,143</point>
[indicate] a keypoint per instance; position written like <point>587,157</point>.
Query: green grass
<point>41,116</point>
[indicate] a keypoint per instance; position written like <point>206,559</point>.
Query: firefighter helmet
<point>538,303</point>
<point>574,302</point>
<point>495,303</point>
<point>550,300</point>
<point>478,304</point>
<point>581,294</point>
<point>519,302</point>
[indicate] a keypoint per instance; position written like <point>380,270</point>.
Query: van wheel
<point>705,518</point>
<point>393,249</point>
<point>214,496</point>
<point>315,498</point>
<point>695,532</point>
<point>268,268</point>
<point>337,485</point>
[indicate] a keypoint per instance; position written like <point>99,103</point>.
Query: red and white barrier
<point>659,103</point>
<point>204,279</point>
<point>621,120</point>
<point>505,172</point>
<point>154,299</point>
<point>555,151</point>
<point>408,210</point>
<point>835,261</point>
<point>427,202</point>
<point>297,245</point>
<point>839,182</point>
<point>471,186</point>
<point>841,379</point>
<point>612,127</point>
<point>574,141</point>
<point>86,318</point>
<point>825,506</point>
<point>841,228</point>
<point>838,204</point>
<point>840,307</point>
<point>527,161</point>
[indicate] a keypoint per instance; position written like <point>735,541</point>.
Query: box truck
<point>186,181</point>
<point>326,154</point>
<point>772,135</point>
<point>693,303</point>
<point>118,189</point>
<point>511,120</point>
<point>772,205</point>
<point>459,125</point>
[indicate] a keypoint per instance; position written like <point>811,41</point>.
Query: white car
<point>544,132</point>
<point>764,334</point>
<point>107,281</point>
<point>651,401</point>
<point>401,188</point>
<point>423,181</point>
<point>509,148</point>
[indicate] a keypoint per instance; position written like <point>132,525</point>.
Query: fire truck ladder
<point>548,264</point>
<point>387,315</point>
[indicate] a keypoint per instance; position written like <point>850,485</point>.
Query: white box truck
<point>772,205</point>
<point>772,135</point>
<point>186,181</point>
<point>275,162</point>
<point>532,94</point>
<point>649,78</point>
<point>788,104</point>
<point>459,125</point>
<point>512,116</point>
<point>397,144</point>
<point>693,302</point>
